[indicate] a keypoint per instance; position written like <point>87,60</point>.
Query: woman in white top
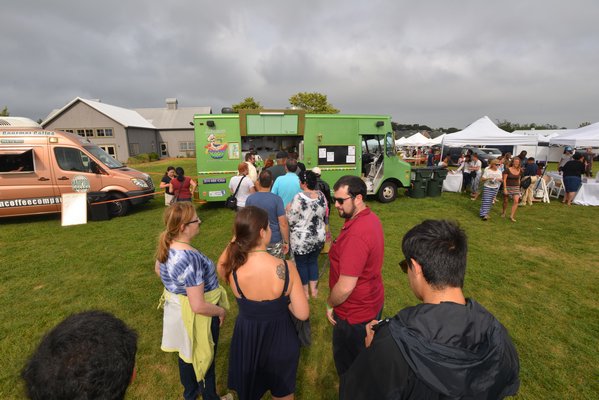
<point>246,186</point>
<point>464,167</point>
<point>491,181</point>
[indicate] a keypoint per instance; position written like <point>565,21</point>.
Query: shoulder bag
<point>231,201</point>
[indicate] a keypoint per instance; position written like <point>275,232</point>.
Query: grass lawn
<point>539,277</point>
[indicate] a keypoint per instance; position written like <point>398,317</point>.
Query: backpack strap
<point>239,184</point>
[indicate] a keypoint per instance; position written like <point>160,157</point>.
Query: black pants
<point>348,342</point>
<point>207,388</point>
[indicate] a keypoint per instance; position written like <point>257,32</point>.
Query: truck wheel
<point>118,208</point>
<point>388,192</point>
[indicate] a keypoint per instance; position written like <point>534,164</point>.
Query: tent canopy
<point>484,132</point>
<point>587,136</point>
<point>417,139</point>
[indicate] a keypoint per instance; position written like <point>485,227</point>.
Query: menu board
<point>336,155</point>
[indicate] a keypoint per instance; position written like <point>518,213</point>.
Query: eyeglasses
<point>341,200</point>
<point>404,266</point>
<point>199,221</point>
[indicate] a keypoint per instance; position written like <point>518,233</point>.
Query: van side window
<point>70,159</point>
<point>16,161</point>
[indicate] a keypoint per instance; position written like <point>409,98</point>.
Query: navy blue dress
<point>264,348</point>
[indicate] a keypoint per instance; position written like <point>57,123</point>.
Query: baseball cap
<point>316,170</point>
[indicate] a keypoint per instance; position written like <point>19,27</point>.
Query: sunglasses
<point>404,266</point>
<point>341,200</point>
<point>199,221</point>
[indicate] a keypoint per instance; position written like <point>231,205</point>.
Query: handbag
<point>303,329</point>
<point>231,201</point>
<point>525,182</point>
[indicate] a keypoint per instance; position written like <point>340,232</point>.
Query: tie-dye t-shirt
<point>187,268</point>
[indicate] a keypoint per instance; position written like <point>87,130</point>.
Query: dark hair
<point>90,355</point>
<point>248,222</point>
<point>530,159</point>
<point>355,185</point>
<point>265,178</point>
<point>291,165</point>
<point>440,247</point>
<point>309,178</point>
<point>169,168</point>
<point>577,156</point>
<point>248,155</point>
<point>180,174</point>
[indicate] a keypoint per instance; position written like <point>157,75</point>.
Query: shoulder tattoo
<point>281,271</point>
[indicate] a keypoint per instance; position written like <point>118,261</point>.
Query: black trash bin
<point>420,179</point>
<point>435,184</point>
<point>97,212</point>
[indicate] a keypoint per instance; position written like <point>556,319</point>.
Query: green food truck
<point>361,145</point>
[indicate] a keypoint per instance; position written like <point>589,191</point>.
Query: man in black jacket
<point>448,347</point>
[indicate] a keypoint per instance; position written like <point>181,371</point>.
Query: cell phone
<point>379,324</point>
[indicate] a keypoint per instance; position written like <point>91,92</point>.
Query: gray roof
<point>163,118</point>
<point>125,117</point>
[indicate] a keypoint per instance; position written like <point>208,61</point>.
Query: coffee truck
<point>360,145</point>
<point>37,166</point>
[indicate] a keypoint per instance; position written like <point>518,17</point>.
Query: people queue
<point>449,346</point>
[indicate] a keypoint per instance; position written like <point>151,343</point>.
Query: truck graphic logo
<point>215,148</point>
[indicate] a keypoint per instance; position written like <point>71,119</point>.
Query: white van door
<point>26,182</point>
<point>74,171</point>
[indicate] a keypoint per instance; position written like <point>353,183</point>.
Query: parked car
<point>485,154</point>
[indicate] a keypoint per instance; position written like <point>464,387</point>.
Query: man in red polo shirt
<point>356,256</point>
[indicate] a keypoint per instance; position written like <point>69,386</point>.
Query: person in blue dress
<point>265,347</point>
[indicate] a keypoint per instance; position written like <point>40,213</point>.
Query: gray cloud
<point>434,62</point>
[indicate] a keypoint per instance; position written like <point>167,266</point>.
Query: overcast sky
<point>440,63</point>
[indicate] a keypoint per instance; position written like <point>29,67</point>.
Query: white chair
<point>556,188</point>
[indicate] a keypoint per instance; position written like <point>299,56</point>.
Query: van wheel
<point>388,192</point>
<point>118,208</point>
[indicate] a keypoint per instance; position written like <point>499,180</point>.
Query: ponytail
<point>236,257</point>
<point>164,243</point>
<point>180,174</point>
<point>248,223</point>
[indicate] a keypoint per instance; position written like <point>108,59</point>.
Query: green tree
<point>314,103</point>
<point>4,112</point>
<point>247,104</point>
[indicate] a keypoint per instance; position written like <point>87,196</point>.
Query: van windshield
<point>103,156</point>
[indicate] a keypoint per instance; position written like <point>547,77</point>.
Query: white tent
<point>587,136</point>
<point>483,132</point>
<point>417,139</point>
<point>400,142</point>
<point>437,140</point>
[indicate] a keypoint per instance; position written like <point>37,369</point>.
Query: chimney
<point>171,104</point>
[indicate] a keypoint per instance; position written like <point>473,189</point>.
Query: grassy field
<point>539,276</point>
